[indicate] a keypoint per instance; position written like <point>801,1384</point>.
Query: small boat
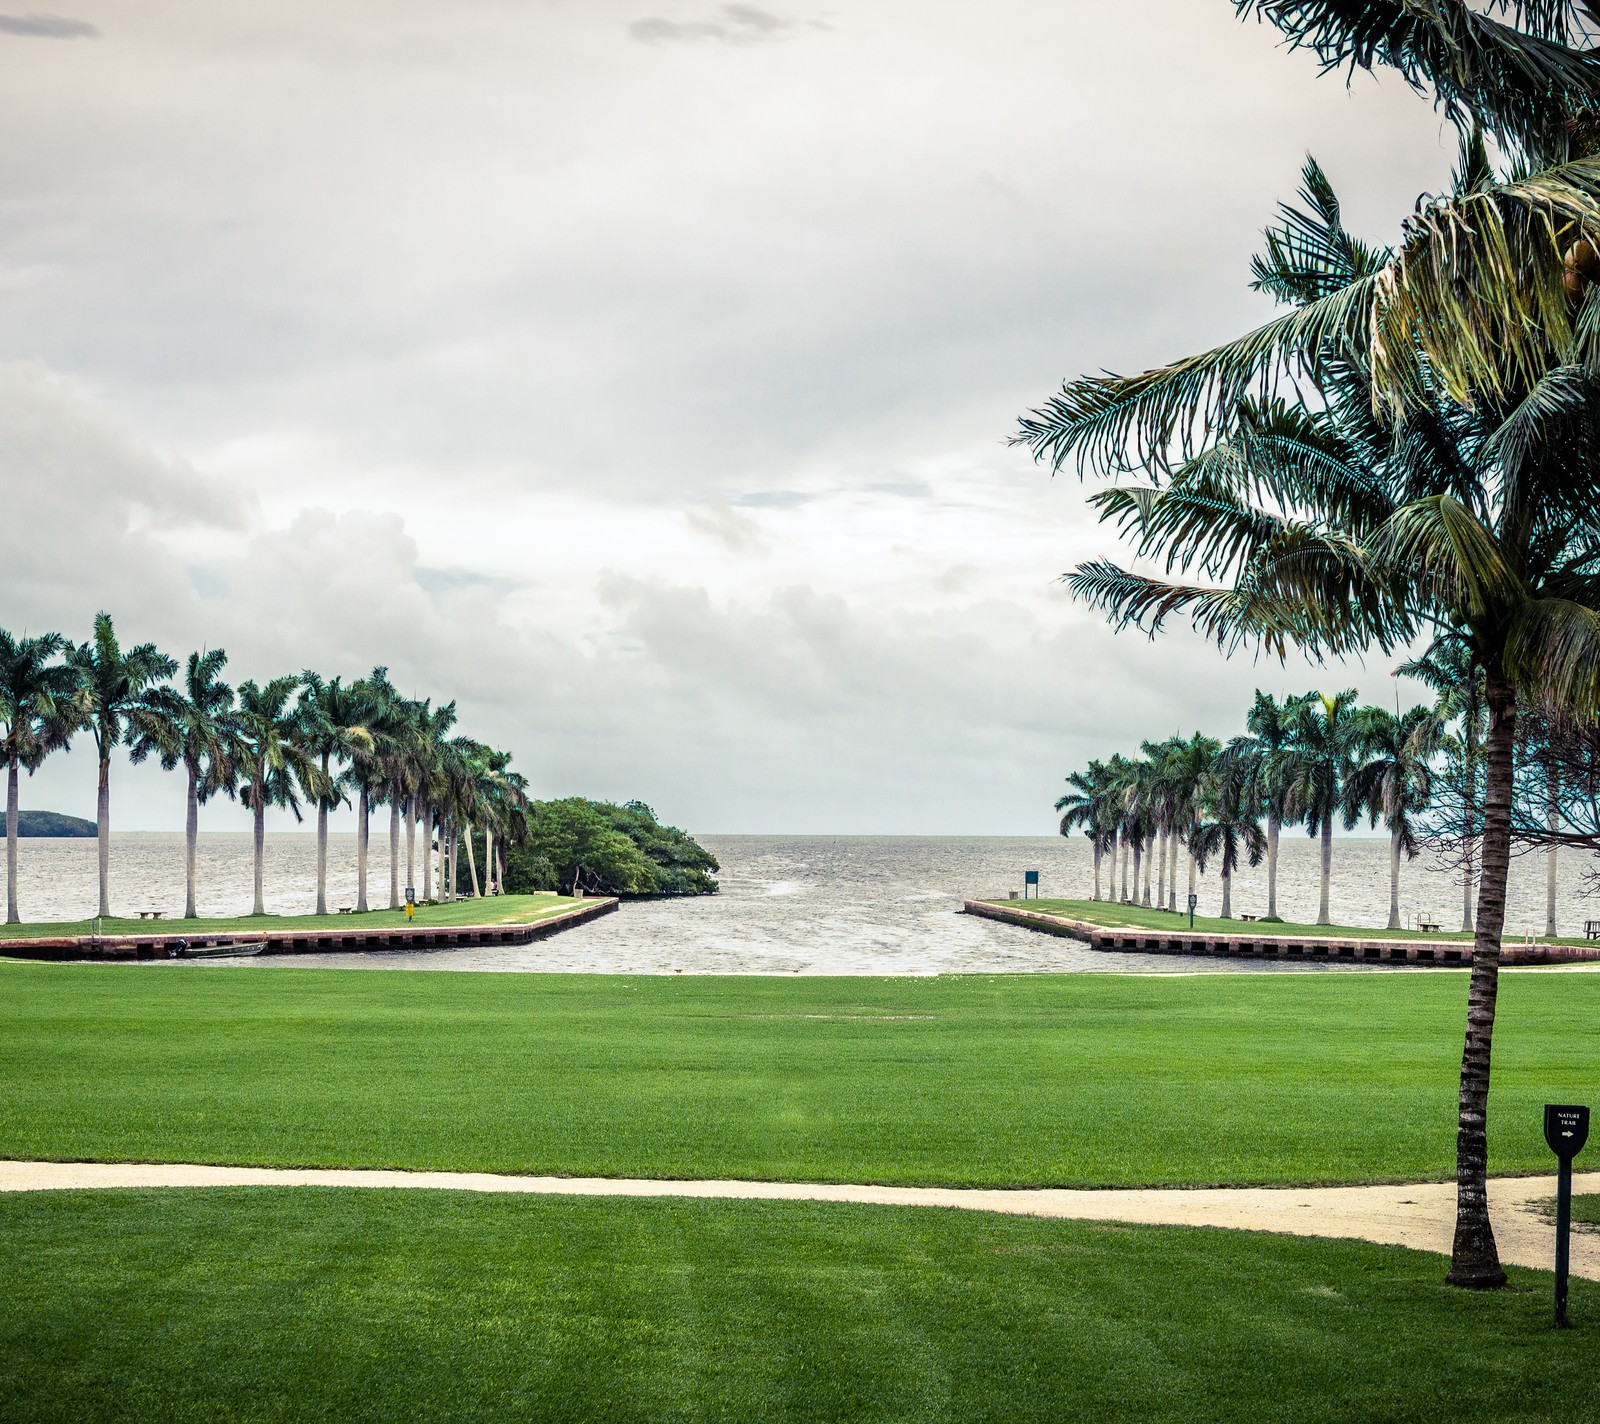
<point>224,950</point>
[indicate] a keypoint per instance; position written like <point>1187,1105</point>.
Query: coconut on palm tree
<point>193,725</point>
<point>275,770</point>
<point>114,692</point>
<point>1392,781</point>
<point>38,715</point>
<point>1441,474</point>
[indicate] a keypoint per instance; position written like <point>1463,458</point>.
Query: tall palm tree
<point>38,715</point>
<point>1262,755</point>
<point>1229,827</point>
<point>275,769</point>
<point>1392,780</point>
<point>1192,764</point>
<point>114,688</point>
<point>194,726</point>
<point>1325,735</point>
<point>1445,475</point>
<point>1448,669</point>
<point>1085,807</point>
<point>368,771</point>
<point>335,723</point>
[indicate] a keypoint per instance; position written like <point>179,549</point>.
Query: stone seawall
<point>1261,943</point>
<point>173,943</point>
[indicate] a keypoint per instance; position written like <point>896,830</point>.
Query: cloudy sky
<point>638,372</point>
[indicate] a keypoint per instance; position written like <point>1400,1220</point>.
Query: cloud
<point>47,27</point>
<point>736,532</point>
<point>737,24</point>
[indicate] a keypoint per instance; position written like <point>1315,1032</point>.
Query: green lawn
<point>982,1080</point>
<point>497,910</point>
<point>1115,916</point>
<point>270,1305</point>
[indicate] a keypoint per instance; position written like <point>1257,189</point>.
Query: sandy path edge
<point>1420,1215</point>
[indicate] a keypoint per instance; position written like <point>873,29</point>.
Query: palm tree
<point>1263,757</point>
<point>1393,780</point>
<point>1191,766</point>
<point>368,768</point>
<point>1446,475</point>
<point>274,767</point>
<point>194,726</point>
<point>335,723</point>
<point>1085,807</point>
<point>1232,825</point>
<point>38,715</point>
<point>1324,738</point>
<point>114,693</point>
<point>1447,668</point>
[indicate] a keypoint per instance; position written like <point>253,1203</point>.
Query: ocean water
<point>790,904</point>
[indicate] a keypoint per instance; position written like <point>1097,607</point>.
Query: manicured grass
<point>300,1304</point>
<point>1585,1206</point>
<point>496,910</point>
<point>1115,916</point>
<point>983,1080</point>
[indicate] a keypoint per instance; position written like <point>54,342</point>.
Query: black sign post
<point>1193,901</point>
<point>1566,1129</point>
<point>1030,878</point>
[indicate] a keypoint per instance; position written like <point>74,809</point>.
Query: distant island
<point>49,823</point>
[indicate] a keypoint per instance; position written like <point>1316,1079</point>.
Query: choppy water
<point>789,904</point>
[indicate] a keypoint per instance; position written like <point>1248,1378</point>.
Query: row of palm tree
<point>1411,449</point>
<point>1309,760</point>
<point>283,743</point>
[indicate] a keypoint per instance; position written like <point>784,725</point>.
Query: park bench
<point>1249,919</point>
<point>1429,926</point>
<point>1591,929</point>
<point>346,909</point>
<point>150,914</point>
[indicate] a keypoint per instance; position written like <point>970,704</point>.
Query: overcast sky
<point>638,373</point>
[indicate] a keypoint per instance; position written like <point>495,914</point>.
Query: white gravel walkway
<point>1420,1215</point>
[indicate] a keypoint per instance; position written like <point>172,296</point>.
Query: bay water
<point>790,904</point>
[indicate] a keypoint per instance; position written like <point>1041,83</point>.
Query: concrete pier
<point>1259,942</point>
<point>172,943</point>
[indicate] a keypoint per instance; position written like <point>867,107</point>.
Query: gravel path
<point>1420,1215</point>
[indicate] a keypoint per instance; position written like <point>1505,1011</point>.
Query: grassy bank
<point>1115,916</point>
<point>496,910</point>
<point>287,1305</point>
<point>1006,1080</point>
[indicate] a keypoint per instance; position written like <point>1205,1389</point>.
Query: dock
<point>1258,942</point>
<point>174,943</point>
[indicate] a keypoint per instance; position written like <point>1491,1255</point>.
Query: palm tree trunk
<point>363,830</point>
<point>12,917</point>
<point>1474,1258</point>
<point>1138,859</point>
<point>394,850</point>
<point>1099,855</point>
<point>472,863</point>
<point>1194,876</point>
<point>1327,868</point>
<point>103,833</point>
<point>488,859</point>
<point>1469,822</point>
<point>1553,824</point>
<point>1149,861</point>
<point>427,854</point>
<point>1274,827</point>
<point>500,866</point>
<point>191,838</point>
<point>1394,880</point>
<point>454,870</point>
<point>1161,873</point>
<point>260,809</point>
<point>322,845</point>
<point>1227,894</point>
<point>1172,870</point>
<point>1125,850</point>
<point>411,846</point>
